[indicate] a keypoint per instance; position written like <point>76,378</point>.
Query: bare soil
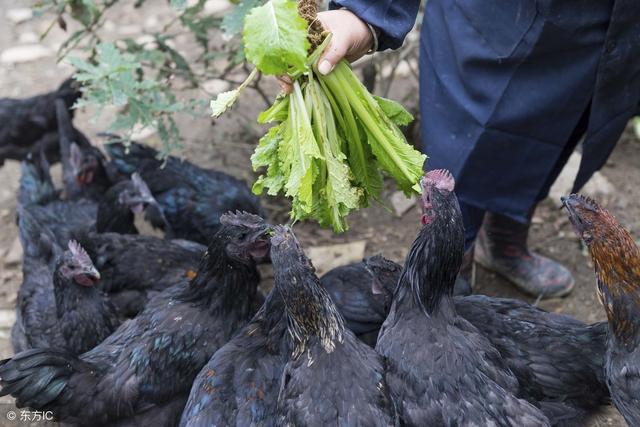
<point>227,145</point>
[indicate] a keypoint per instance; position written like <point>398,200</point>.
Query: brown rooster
<point>616,259</point>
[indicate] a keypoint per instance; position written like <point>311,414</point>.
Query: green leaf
<point>179,4</point>
<point>266,154</point>
<point>275,38</point>
<point>358,151</point>
<point>233,22</point>
<point>392,152</point>
<point>337,194</point>
<point>278,112</point>
<point>225,100</point>
<point>394,111</point>
<point>297,150</point>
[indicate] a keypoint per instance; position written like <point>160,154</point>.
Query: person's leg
<point>472,218</point>
<point>572,143</point>
<point>502,244</point>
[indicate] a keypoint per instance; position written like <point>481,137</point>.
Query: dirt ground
<point>227,145</point>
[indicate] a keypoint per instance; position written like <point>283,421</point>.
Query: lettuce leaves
<point>332,140</point>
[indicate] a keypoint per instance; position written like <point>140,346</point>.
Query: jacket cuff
<point>393,18</point>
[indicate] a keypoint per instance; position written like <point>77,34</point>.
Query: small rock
<point>14,255</point>
<point>151,23</point>
<point>325,258</point>
<point>109,26</point>
<point>148,41</point>
<point>28,38</point>
<point>537,220</point>
<point>141,133</point>
<point>212,7</point>
<point>401,204</point>
<point>215,86</point>
<point>24,53</point>
<point>129,30</point>
<point>7,318</point>
<point>19,14</point>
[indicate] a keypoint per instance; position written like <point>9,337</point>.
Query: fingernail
<point>325,67</point>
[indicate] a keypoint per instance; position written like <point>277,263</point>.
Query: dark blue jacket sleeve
<point>394,18</point>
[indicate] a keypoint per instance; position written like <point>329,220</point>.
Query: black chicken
<point>358,291</point>
<point>239,386</point>
<point>441,370</point>
<point>555,357</point>
<point>83,166</point>
<point>149,363</point>
<point>29,125</point>
<point>191,198</point>
<point>69,218</point>
<point>58,303</point>
<point>616,258</point>
<point>332,377</point>
<point>363,292</point>
<point>134,268</point>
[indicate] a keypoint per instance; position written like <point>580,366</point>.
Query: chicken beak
<point>93,272</point>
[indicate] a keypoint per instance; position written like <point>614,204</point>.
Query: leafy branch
<point>144,79</point>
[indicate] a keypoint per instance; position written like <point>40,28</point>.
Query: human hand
<point>351,39</point>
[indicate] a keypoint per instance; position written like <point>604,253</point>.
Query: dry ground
<point>227,146</point>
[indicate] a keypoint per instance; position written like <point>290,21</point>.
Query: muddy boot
<point>501,247</point>
<point>466,276</point>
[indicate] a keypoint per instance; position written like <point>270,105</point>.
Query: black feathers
<point>153,359</point>
<point>331,378</point>
<point>191,198</point>
<point>441,370</point>
<point>29,125</point>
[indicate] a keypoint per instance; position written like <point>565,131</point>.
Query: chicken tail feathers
<point>36,186</point>
<point>39,378</point>
<point>36,239</point>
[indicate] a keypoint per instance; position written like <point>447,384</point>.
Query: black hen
<point>616,258</point>
<point>69,218</point>
<point>83,165</point>
<point>441,370</point>
<point>358,291</point>
<point>58,303</point>
<point>332,378</point>
<point>191,198</point>
<point>363,292</point>
<point>239,386</point>
<point>134,268</point>
<point>555,357</point>
<point>29,125</point>
<point>151,361</point>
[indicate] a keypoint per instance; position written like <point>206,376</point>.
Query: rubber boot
<point>466,275</point>
<point>501,247</point>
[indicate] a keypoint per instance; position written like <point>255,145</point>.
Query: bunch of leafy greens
<point>333,139</point>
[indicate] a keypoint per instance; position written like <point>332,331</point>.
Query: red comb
<point>439,178</point>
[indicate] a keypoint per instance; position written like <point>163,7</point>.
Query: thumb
<point>335,52</point>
